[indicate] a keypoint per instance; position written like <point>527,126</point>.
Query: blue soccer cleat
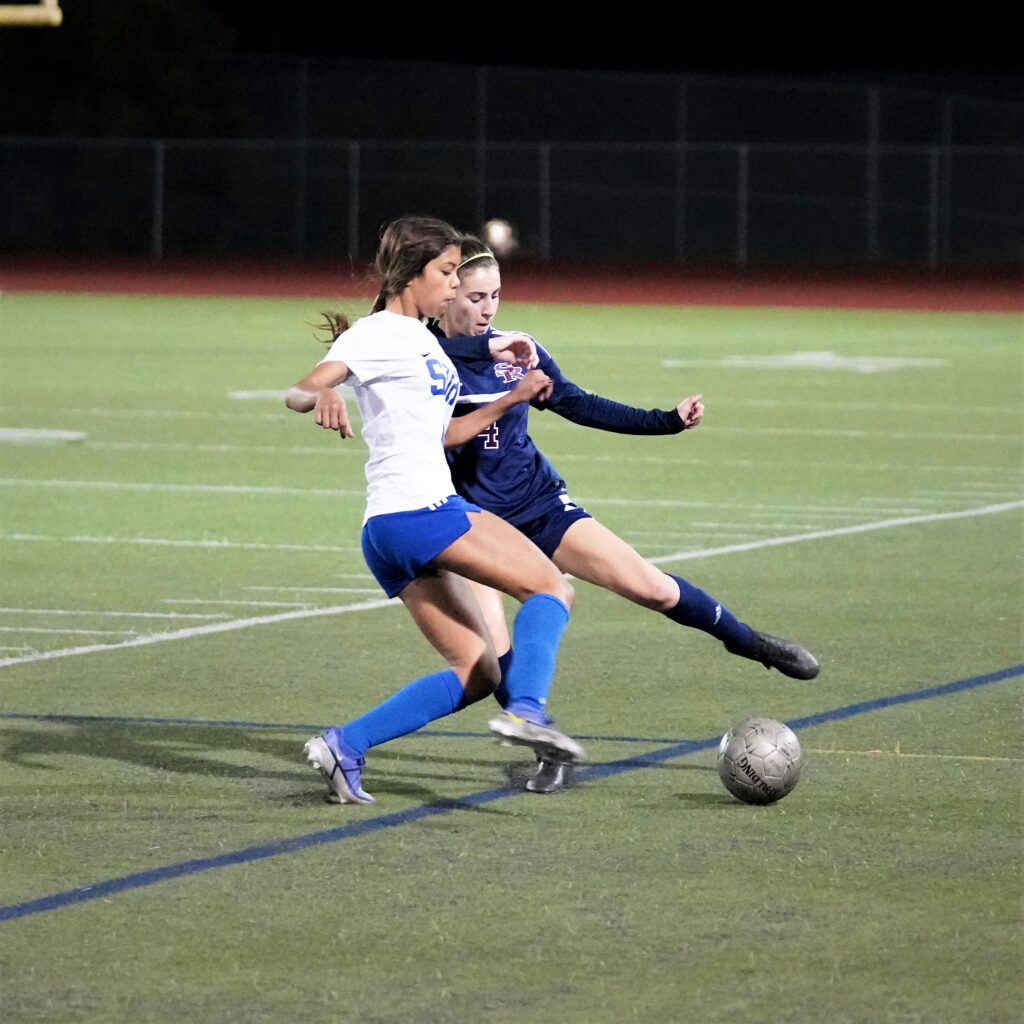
<point>340,765</point>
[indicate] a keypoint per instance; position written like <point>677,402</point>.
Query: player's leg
<point>497,555</point>
<point>592,552</point>
<point>444,608</point>
<point>492,607</point>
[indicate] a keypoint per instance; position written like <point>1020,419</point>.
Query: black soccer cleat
<point>774,652</point>
<point>550,776</point>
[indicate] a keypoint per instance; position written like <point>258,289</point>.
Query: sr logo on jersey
<point>508,372</point>
<point>445,382</point>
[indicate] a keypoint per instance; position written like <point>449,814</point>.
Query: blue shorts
<point>398,545</point>
<point>556,516</point>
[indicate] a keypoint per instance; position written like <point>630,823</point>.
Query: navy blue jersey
<point>501,469</point>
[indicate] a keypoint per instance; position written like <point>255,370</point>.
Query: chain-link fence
<point>586,166</point>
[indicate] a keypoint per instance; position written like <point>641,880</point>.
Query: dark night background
<point>159,67</point>
<point>224,127</point>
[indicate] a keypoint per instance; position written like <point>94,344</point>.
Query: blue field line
<point>288,727</point>
<point>137,880</point>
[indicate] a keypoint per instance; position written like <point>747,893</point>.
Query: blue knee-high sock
<point>702,611</point>
<point>413,706</point>
<point>501,690</point>
<point>537,631</point>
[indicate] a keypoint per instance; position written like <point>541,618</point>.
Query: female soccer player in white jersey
<point>502,470</point>
<point>421,541</point>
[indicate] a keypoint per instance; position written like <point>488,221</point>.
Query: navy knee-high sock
<point>501,690</point>
<point>701,611</point>
<point>536,632</point>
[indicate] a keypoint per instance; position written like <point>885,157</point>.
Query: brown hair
<point>475,254</point>
<point>407,245</point>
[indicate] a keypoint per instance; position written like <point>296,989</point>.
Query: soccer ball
<point>759,760</point>
<point>501,237</point>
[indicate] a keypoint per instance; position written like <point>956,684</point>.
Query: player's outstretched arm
<point>587,409</point>
<point>535,384</point>
<point>315,392</point>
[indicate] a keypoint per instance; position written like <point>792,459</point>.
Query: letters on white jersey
<point>405,387</point>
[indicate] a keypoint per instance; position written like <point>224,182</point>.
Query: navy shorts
<point>398,545</point>
<point>548,528</point>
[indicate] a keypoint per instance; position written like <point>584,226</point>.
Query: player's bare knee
<point>658,592</point>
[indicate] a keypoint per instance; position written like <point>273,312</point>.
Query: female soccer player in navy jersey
<point>501,469</point>
<point>422,541</point>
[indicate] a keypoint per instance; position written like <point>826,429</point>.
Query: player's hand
<point>534,384</point>
<point>331,413</point>
<point>691,411</point>
<point>517,349</point>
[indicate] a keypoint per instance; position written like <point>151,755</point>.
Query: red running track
<point>967,290</point>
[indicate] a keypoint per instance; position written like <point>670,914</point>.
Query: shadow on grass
<point>221,752</point>
<point>214,751</point>
<point>168,747</point>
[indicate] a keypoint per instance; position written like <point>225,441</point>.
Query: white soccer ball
<point>759,760</point>
<point>501,237</point>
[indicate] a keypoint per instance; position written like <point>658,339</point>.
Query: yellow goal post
<point>45,12</point>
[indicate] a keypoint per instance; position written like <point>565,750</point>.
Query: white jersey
<point>405,387</point>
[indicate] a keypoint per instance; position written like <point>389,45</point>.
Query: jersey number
<point>447,383</point>
<point>490,436</point>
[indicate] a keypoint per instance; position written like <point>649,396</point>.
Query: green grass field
<point>184,602</point>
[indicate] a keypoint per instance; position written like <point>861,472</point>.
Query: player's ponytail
<point>333,324</point>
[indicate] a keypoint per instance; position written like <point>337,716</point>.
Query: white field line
<point>357,448</point>
<point>903,435</point>
<point>34,435</point>
<point>824,403</point>
<point>166,414</point>
<point>164,542</point>
<point>235,602</point>
<point>645,400</point>
<point>82,632</point>
<point>754,510</point>
<point>840,531</point>
<point>323,590</point>
<point>265,620</point>
<point>89,614</point>
<point>977,491</point>
<point>194,631</point>
<point>806,511</point>
<point>119,485</point>
<point>1013,472</point>
<point>812,361</point>
<point>350,447</point>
